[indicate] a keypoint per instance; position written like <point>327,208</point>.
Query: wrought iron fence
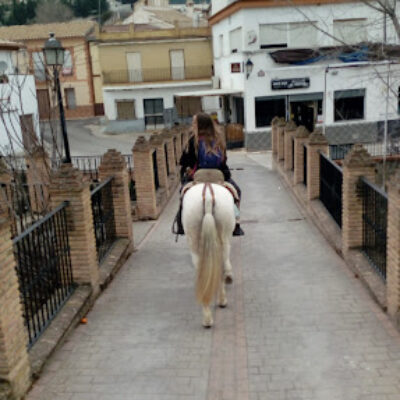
<point>44,270</point>
<point>103,217</point>
<point>132,184</point>
<point>157,74</point>
<point>292,166</point>
<point>375,149</point>
<point>89,165</point>
<point>305,165</point>
<point>375,206</point>
<point>26,204</point>
<point>331,180</point>
<point>155,169</point>
<point>166,158</point>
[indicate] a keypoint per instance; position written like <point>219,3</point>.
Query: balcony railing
<point>157,74</point>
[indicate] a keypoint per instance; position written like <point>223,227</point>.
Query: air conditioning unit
<point>216,84</point>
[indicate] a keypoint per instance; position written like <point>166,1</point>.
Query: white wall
<point>18,97</point>
<point>265,69</point>
<point>110,96</point>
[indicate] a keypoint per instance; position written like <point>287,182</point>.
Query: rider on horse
<point>206,149</point>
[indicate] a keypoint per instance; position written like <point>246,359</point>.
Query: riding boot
<point>238,231</point>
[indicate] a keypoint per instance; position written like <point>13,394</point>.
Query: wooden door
<point>126,110</point>
<point>43,103</point>
<point>134,63</point>
<point>177,59</point>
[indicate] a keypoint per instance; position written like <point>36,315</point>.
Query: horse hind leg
<point>228,273</point>
<point>222,300</point>
<point>208,321</point>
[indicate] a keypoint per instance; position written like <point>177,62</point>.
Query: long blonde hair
<point>208,130</point>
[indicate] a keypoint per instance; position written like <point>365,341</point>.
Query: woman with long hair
<point>206,149</point>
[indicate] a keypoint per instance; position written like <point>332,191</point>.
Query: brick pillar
<point>288,134</point>
<point>274,135</point>
<point>281,128</point>
<point>68,184</point>
<point>393,250</point>
<point>157,141</point>
<point>14,361</point>
<point>317,142</point>
<point>357,163</point>
<point>144,179</point>
<point>113,164</point>
<point>38,177</point>
<point>300,139</point>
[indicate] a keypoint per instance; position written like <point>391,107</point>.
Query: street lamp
<point>54,57</point>
<point>249,68</point>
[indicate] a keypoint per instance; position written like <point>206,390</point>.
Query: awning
<point>210,92</point>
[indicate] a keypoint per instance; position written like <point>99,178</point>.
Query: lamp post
<point>54,57</point>
<point>249,68</point>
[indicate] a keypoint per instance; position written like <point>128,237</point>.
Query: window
<point>221,45</point>
<point>235,40</point>
<point>67,66</point>
<point>350,31</point>
<point>125,109</point>
<point>303,34</point>
<point>134,64</point>
<point>38,66</point>
<point>153,113</point>
<point>70,98</point>
<point>349,104</point>
<point>273,35</point>
<point>267,108</point>
<point>177,60</point>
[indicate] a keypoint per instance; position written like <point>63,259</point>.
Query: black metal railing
<point>103,217</point>
<point>44,270</point>
<point>292,166</point>
<point>331,181</point>
<point>376,149</point>
<point>305,165</point>
<point>166,158</point>
<point>89,165</point>
<point>375,212</point>
<point>26,204</point>
<point>132,184</point>
<point>155,169</point>
<point>157,74</point>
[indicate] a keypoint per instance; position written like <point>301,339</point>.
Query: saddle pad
<point>227,185</point>
<point>209,175</point>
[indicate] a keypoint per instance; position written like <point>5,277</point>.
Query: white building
<point>19,117</point>
<point>300,67</point>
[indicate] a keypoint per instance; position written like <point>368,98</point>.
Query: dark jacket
<point>189,159</point>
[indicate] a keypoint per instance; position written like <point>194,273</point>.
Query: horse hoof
<point>229,279</point>
<point>207,323</point>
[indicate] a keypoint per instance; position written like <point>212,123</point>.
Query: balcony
<point>135,76</point>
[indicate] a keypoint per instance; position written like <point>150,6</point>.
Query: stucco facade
<point>239,37</point>
<point>145,68</point>
<point>76,75</point>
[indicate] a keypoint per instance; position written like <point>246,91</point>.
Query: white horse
<point>208,226</point>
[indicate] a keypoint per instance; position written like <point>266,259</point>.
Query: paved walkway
<point>298,324</point>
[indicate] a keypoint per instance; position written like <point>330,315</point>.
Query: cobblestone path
<point>298,324</point>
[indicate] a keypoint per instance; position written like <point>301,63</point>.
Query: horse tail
<point>210,258</point>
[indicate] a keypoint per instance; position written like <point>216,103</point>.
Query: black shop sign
<point>294,83</point>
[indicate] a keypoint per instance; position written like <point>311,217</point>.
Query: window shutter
<point>303,34</point>
<point>350,31</point>
<point>235,39</point>
<point>273,35</point>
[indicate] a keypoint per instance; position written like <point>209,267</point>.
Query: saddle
<point>210,176</point>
